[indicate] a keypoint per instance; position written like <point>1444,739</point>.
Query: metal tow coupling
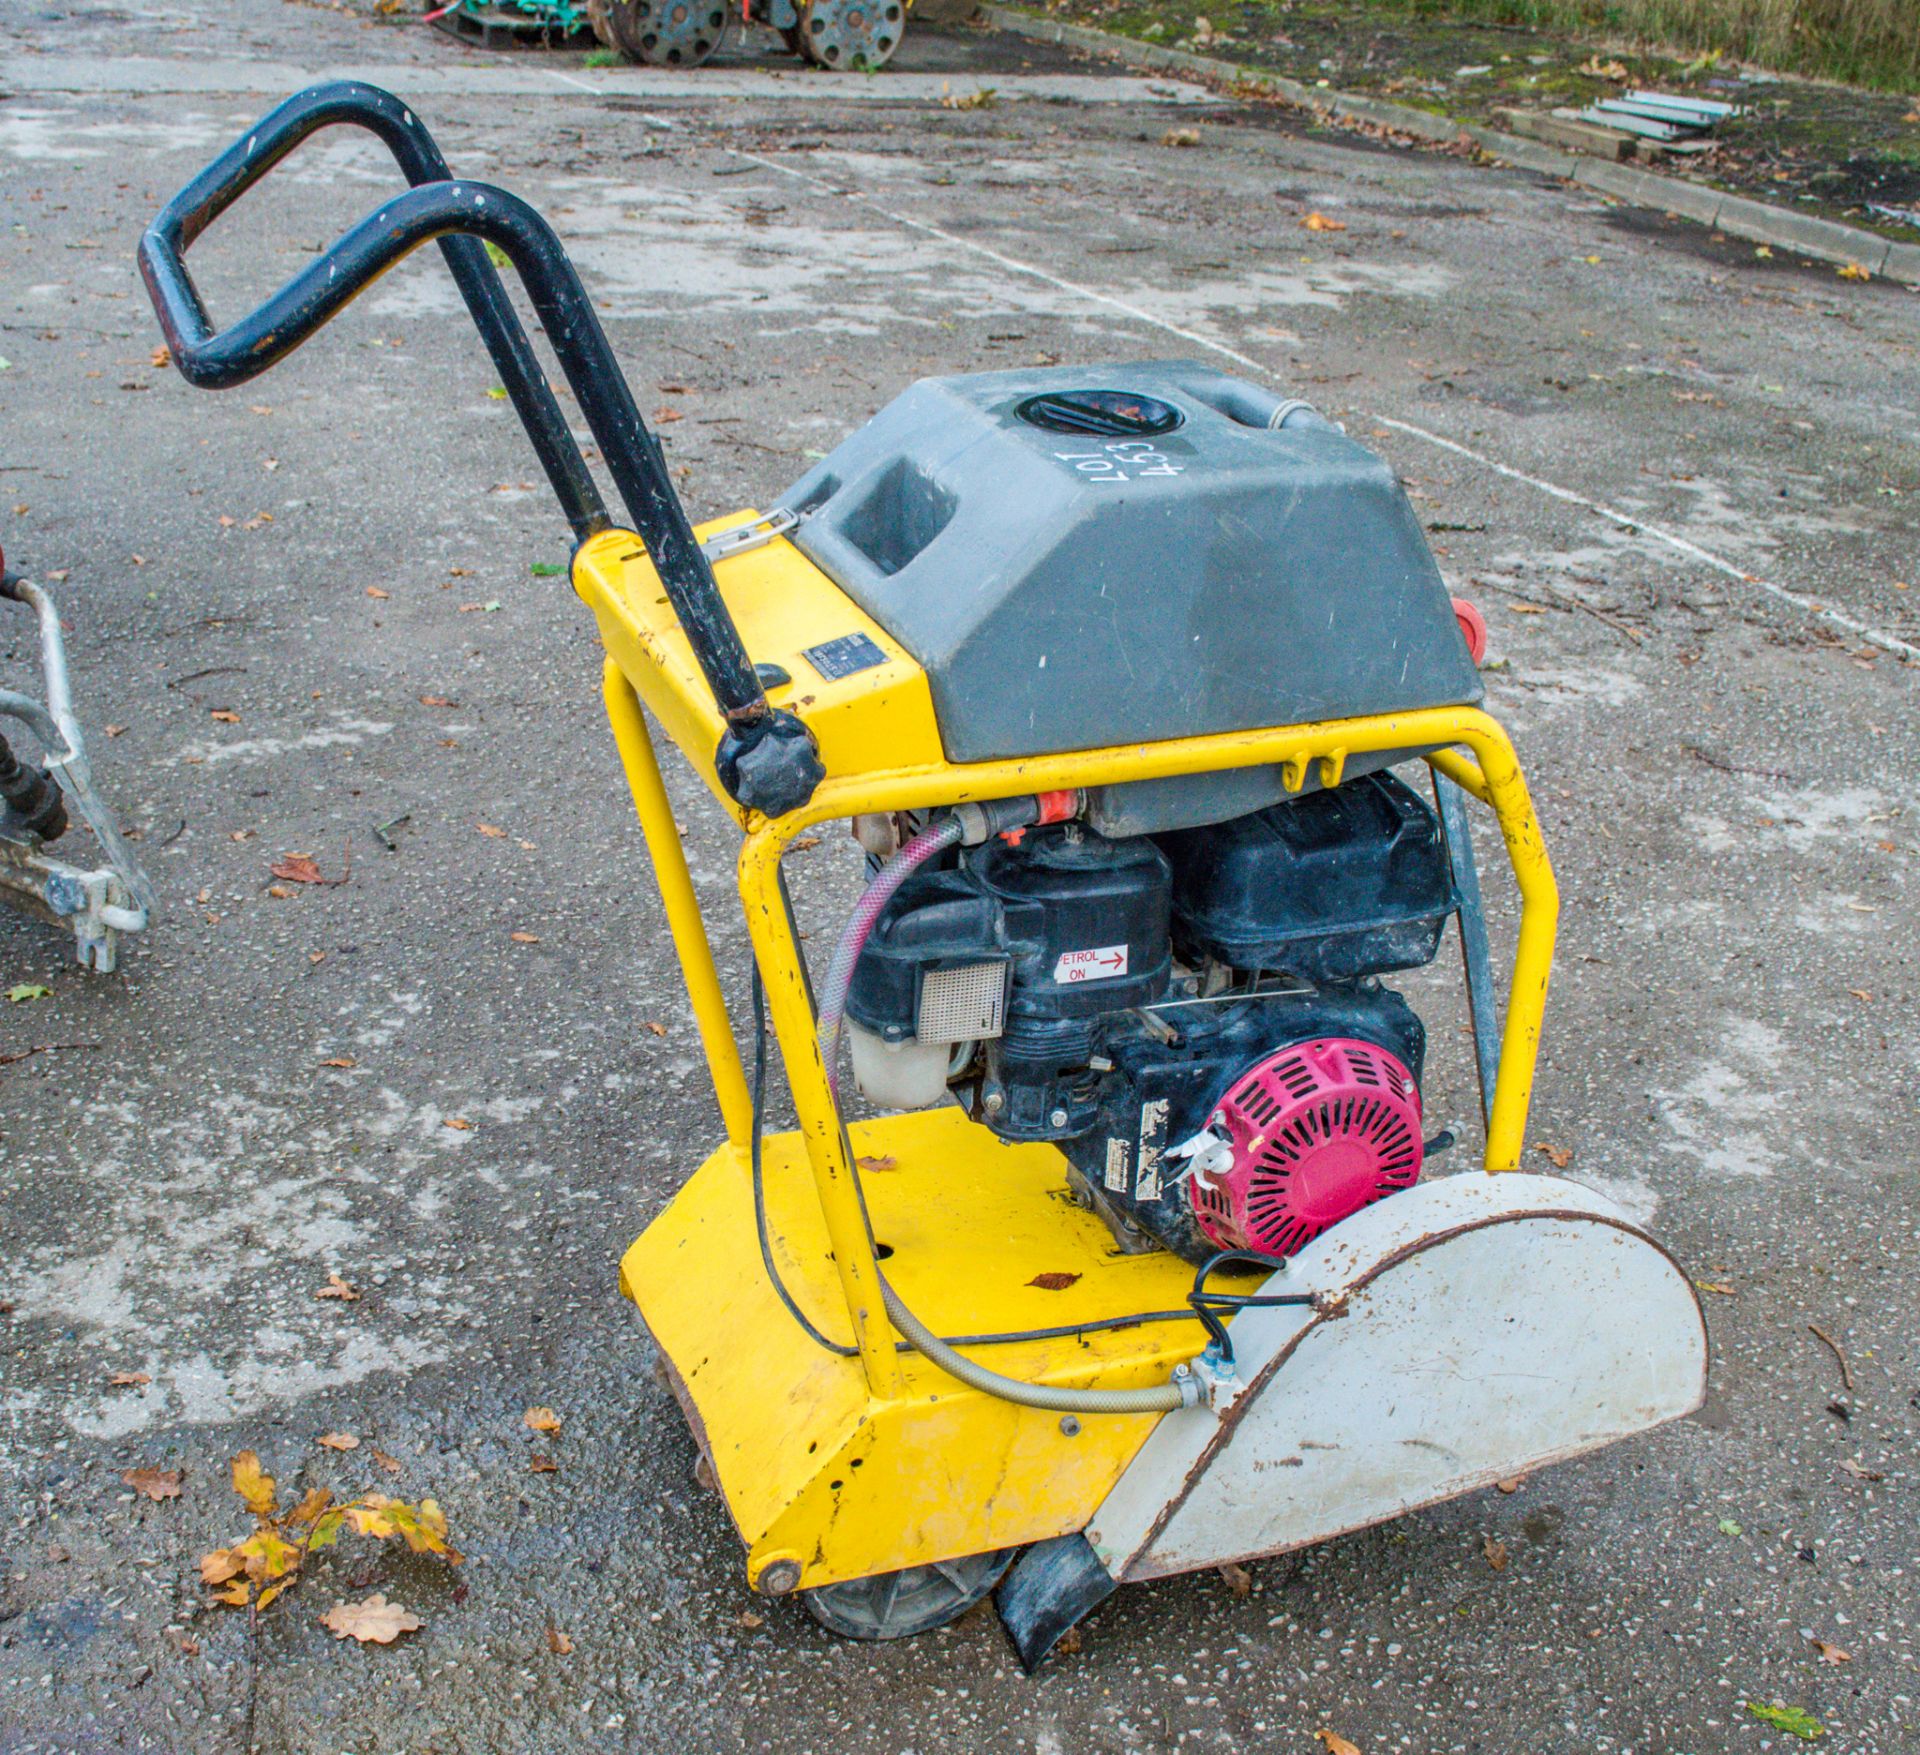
<point>97,905</point>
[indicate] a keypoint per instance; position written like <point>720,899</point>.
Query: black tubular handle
<point>203,361</point>
<point>766,759</point>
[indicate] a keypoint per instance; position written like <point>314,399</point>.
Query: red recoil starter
<point>1319,1130</point>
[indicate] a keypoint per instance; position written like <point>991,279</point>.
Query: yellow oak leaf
<point>253,1484</point>
<point>268,1555</point>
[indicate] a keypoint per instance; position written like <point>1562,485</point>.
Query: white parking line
<point>1638,526</point>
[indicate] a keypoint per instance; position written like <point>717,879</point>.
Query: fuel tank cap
<point>1118,414</point>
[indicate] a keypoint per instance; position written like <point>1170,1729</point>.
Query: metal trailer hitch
<point>98,905</point>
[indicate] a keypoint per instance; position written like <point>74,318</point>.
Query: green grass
<point>1864,42</point>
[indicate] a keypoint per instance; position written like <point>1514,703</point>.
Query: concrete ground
<point>304,613</point>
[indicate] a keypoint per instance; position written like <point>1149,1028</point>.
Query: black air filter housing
<point>1329,887</point>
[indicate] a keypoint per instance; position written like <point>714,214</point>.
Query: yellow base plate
<point>977,1237</point>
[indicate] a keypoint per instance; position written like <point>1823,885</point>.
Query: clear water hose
<point>853,936</point>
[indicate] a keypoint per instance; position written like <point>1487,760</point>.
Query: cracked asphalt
<point>305,617</point>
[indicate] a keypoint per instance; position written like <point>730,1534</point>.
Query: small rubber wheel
<point>917,1599</point>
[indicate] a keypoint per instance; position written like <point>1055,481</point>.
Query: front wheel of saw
<point>917,1599</point>
<point>852,36</point>
<point>666,33</point>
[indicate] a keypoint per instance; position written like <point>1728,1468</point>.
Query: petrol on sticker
<point>1102,964</point>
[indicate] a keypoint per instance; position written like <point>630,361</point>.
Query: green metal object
<point>561,15</point>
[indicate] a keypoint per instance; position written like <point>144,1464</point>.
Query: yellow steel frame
<point>1490,773</point>
<point>882,756</point>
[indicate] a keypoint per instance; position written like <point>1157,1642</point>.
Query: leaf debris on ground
<point>156,1484</point>
<point>374,1621</point>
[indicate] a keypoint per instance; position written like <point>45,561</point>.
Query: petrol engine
<point>1195,1017</point>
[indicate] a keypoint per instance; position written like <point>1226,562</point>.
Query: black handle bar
<point>766,759</point>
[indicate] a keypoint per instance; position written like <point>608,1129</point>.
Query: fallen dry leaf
<point>1239,1579</point>
<point>338,1288</point>
<point>557,1642</point>
<point>1496,1553</point>
<point>339,1441</point>
<point>879,1161</point>
<point>128,1380</point>
<point>1319,222</point>
<point>1053,1282</point>
<point>221,1565</point>
<point>375,1621</point>
<point>157,1484</point>
<point>542,1419</point>
<point>1831,1654</point>
<point>1336,1744</point>
<point>1559,1156</point>
<point>316,1501</point>
<point>253,1484</point>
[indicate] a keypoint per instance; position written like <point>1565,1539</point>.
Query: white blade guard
<point>1484,1325</point>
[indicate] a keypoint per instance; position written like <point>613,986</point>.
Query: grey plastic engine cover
<point>1067,590</point>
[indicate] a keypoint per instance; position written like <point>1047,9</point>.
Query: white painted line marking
<point>1638,526</point>
<point>647,116</point>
